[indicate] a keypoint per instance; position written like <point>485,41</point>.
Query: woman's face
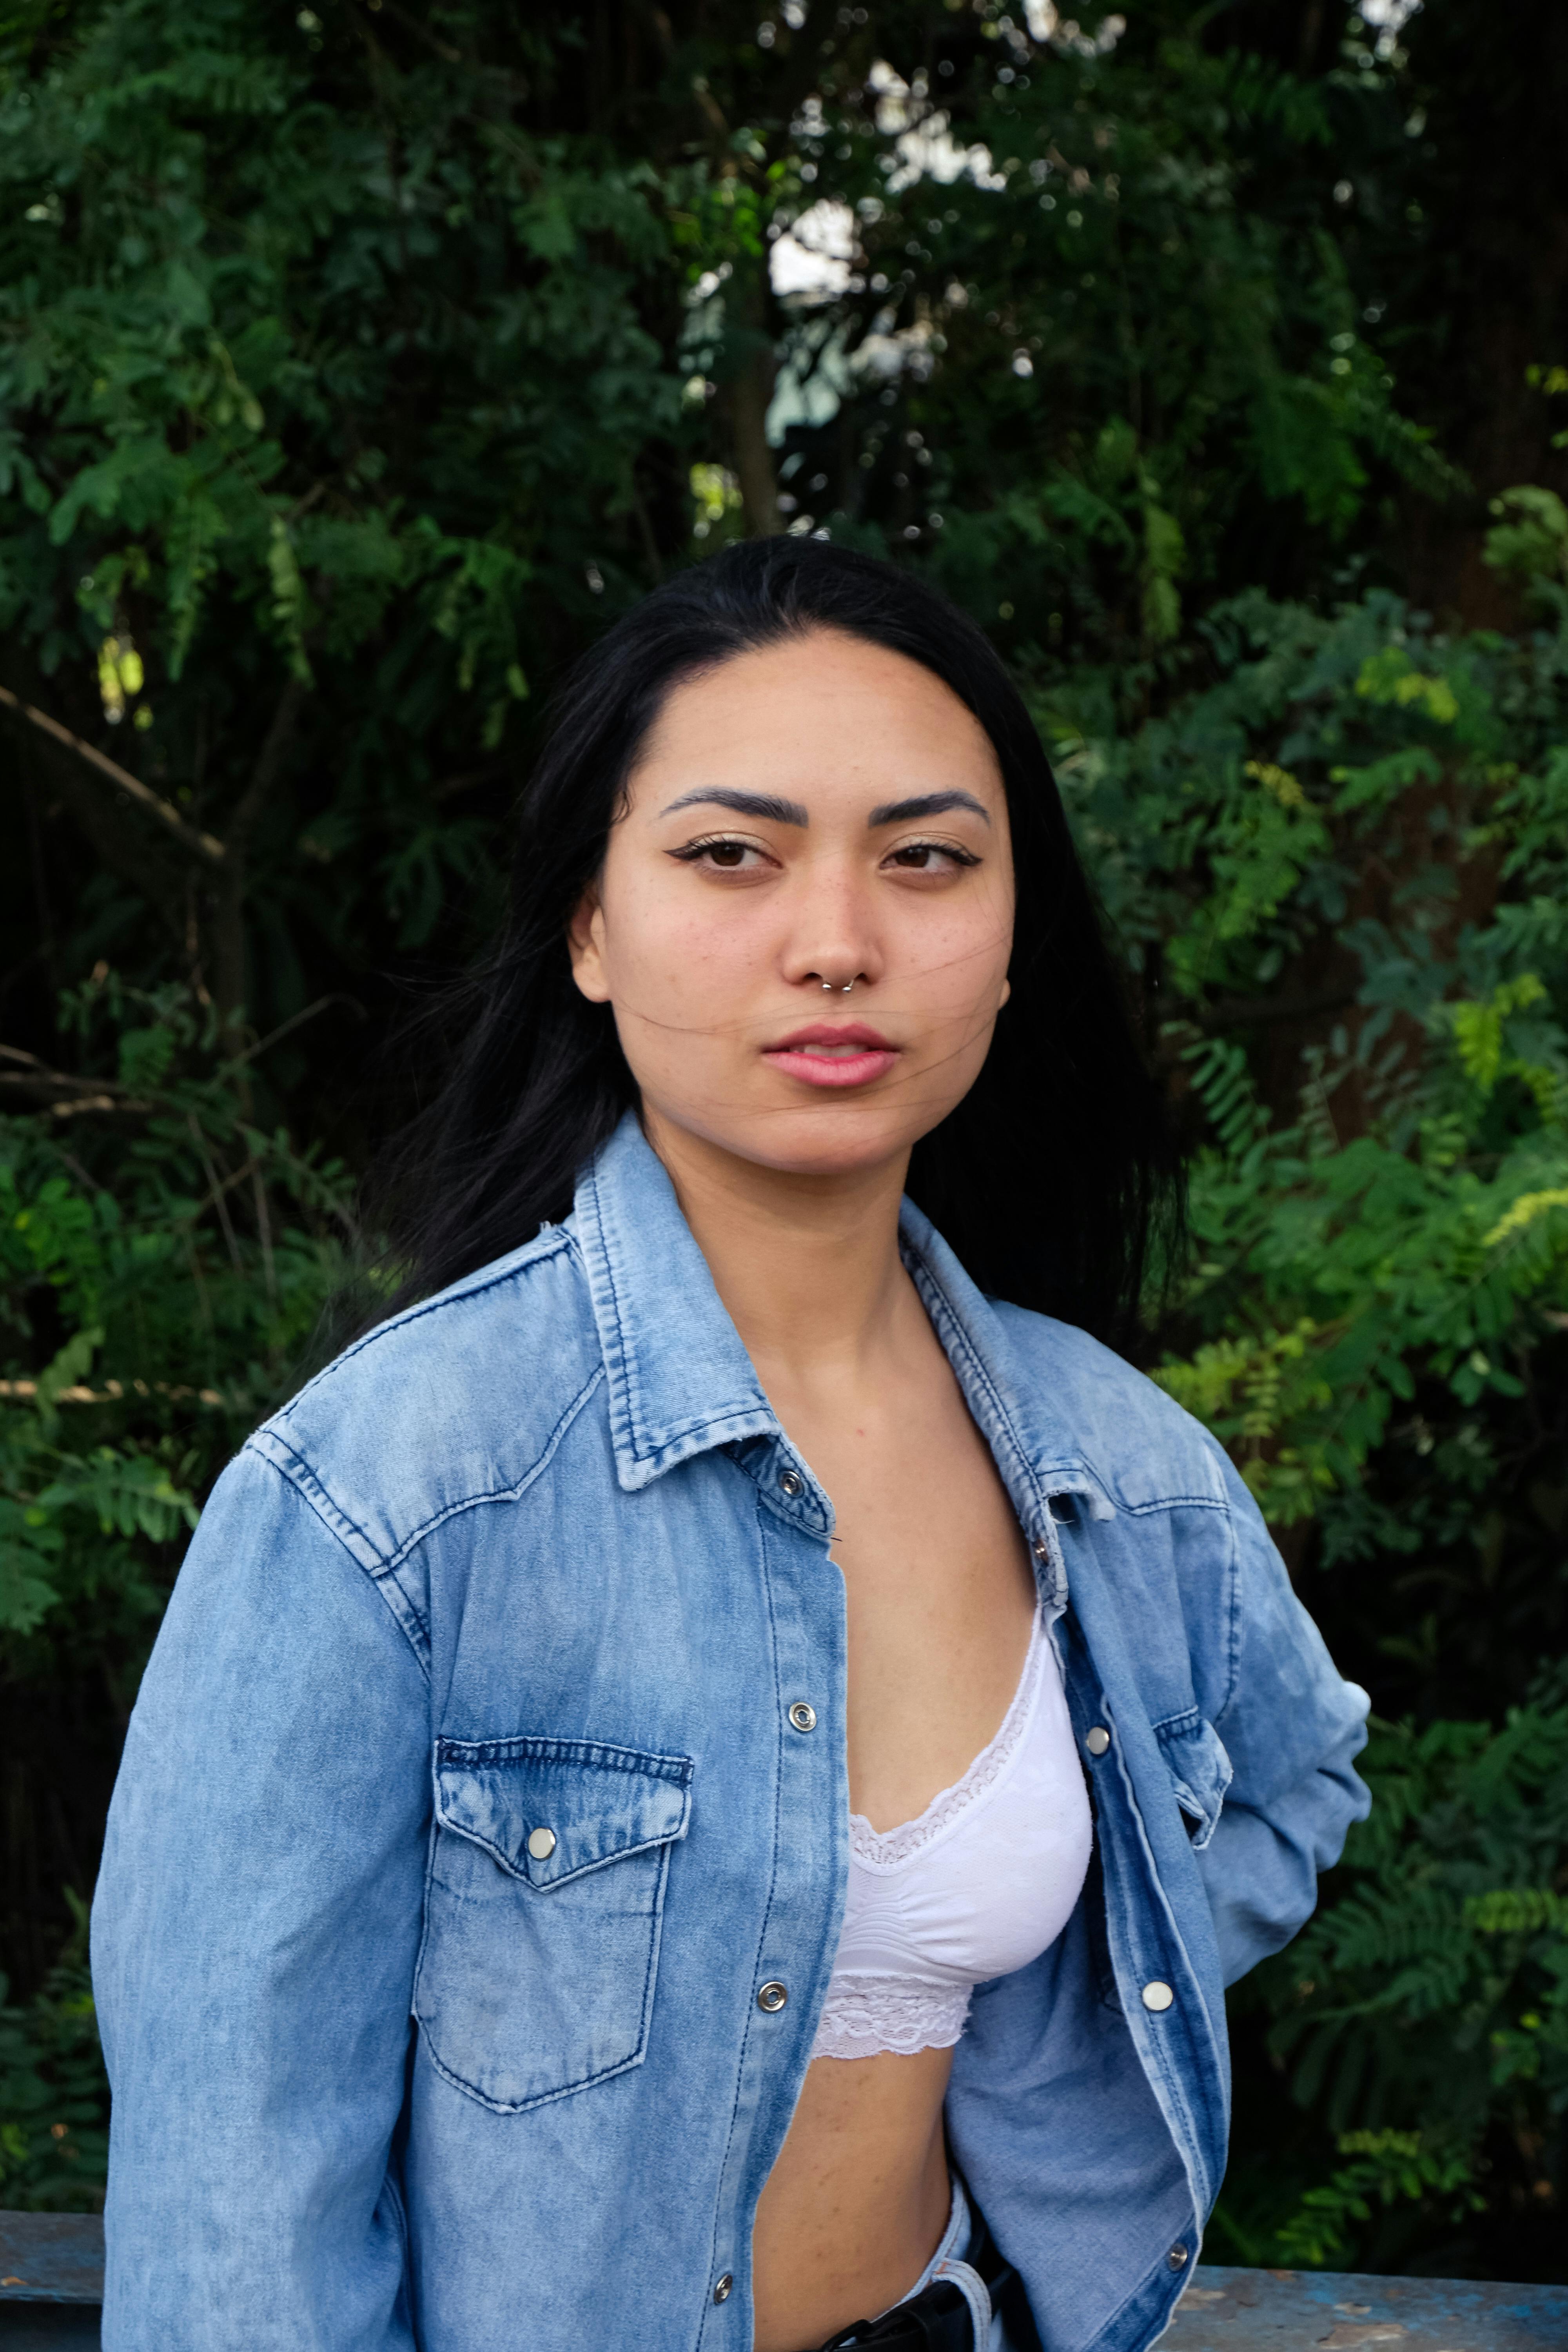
<point>818,813</point>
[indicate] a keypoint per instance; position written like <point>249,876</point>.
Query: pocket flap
<point>548,1810</point>
<point>1200,1770</point>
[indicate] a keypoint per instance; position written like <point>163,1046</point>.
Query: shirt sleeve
<point>254,1938</point>
<point>1291,1727</point>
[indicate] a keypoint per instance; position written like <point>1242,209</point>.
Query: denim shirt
<point>464,1821</point>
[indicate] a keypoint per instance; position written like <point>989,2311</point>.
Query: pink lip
<point>792,1054</point>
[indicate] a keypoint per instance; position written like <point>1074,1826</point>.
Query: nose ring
<point>847,986</point>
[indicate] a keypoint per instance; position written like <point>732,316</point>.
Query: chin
<point>845,1140</point>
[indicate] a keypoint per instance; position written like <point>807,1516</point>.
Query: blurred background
<point>359,362</point>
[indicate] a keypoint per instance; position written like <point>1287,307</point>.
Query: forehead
<point>826,714</point>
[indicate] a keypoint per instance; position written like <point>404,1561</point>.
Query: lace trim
<point>888,1849</point>
<point>863,2015</point>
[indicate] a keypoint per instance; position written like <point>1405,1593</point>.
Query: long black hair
<point>1055,1177</point>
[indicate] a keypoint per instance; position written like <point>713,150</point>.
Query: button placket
<point>806,1603</point>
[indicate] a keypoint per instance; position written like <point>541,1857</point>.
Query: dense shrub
<point>354,365</point>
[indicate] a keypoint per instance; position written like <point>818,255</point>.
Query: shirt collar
<point>679,1379</point>
<point>680,1382</point>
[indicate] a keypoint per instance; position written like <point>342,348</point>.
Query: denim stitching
<point>545,1749</point>
<point>568,1751</point>
<point>1175,1726</point>
<point>1174,1503</point>
<point>957,1341</point>
<point>1156,2276</point>
<point>626,1363</point>
<point>644,1446</point>
<point>543,1887</point>
<point>512,1494</point>
<point>1190,2145</point>
<point>1233,1580</point>
<point>1186,1719</point>
<point>546,1242</point>
<point>583,2081</point>
<point>303,1477</point>
<point>744,2253</point>
<point>312,1503</point>
<point>936,1299</point>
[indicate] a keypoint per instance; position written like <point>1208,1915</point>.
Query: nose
<point>835,948</point>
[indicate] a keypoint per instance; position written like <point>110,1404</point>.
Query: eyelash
<point>695,850</point>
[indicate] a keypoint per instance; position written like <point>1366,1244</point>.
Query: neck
<point>807,1266</point>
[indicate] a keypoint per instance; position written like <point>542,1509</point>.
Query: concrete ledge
<point>50,2258</point>
<point>1342,2311</point>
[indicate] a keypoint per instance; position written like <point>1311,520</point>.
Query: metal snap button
<point>1177,2258</point>
<point>721,2288</point>
<point>792,1482</point>
<point>542,1844</point>
<point>803,1717</point>
<point>773,1997</point>
<point>1158,1995</point>
<point>1097,1739</point>
<point>1039,1547</point>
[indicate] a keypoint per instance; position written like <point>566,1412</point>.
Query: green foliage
<point>1386,2166</point>
<point>354,367</point>
<point>170,1275</point>
<point>1404,1221</point>
<point>1431,1991</point>
<point>1353,815</point>
<point>54,2101</point>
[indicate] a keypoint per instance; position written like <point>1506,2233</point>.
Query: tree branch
<point>32,1081</point>
<point>202,846</point>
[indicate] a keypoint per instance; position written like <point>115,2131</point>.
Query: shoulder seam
<point>514,1493</point>
<point>543,1246</point>
<point>317,1501</point>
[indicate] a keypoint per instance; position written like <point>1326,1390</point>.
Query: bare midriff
<point>855,2205</point>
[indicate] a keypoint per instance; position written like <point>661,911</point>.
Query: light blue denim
<point>950,2261</point>
<point>472,1706</point>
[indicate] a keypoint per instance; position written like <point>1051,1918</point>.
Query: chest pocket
<point>543,1909</point>
<point>1200,1772</point>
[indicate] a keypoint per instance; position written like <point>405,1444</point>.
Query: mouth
<point>831,1053</point>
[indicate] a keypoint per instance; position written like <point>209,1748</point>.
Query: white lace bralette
<point>982,1883</point>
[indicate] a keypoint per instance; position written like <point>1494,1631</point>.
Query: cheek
<point>964,957</point>
<point>666,956</point>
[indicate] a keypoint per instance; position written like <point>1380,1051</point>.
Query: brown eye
<point>930,857</point>
<point>726,853</point>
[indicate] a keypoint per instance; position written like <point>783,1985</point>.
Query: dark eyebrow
<point>924,804</point>
<point>762,805</point>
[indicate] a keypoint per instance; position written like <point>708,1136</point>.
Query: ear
<point>1006,992</point>
<point>585,945</point>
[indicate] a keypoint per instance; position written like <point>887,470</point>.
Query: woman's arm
<point>254,1937</point>
<point>1291,1728</point>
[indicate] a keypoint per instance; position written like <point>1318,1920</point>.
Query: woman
<point>701,1785</point>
